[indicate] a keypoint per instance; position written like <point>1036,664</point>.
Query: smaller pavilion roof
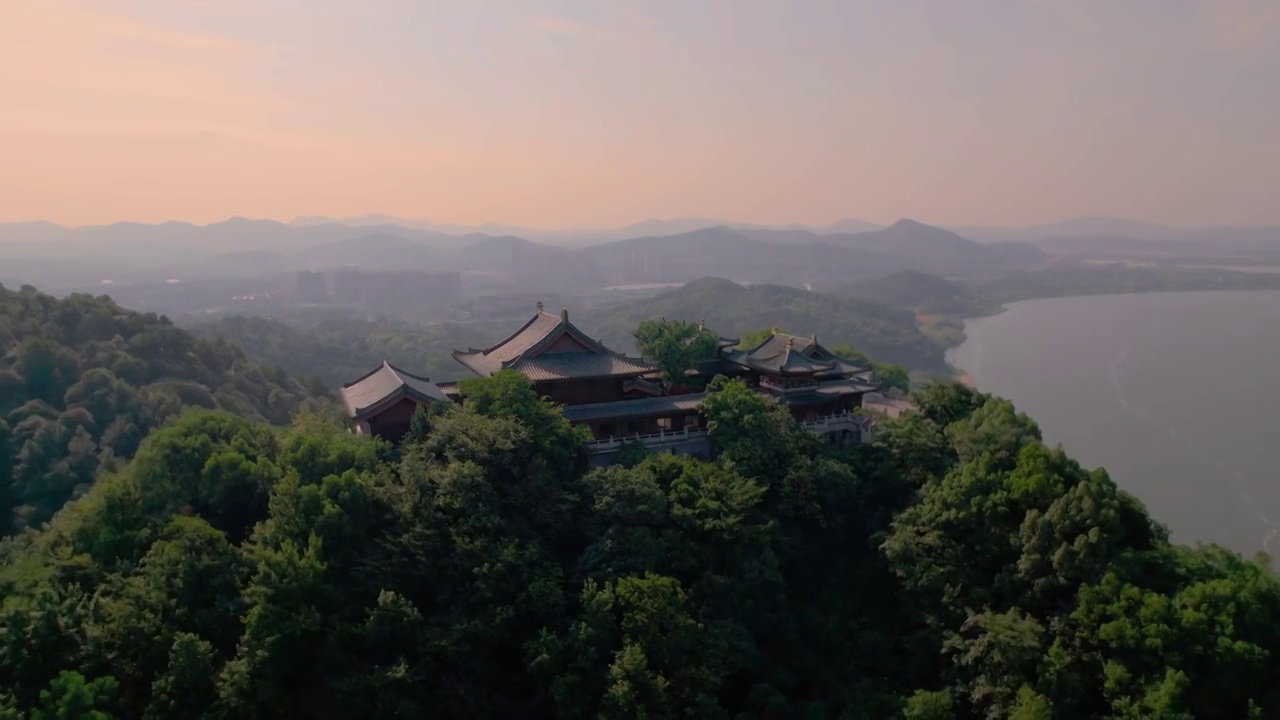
<point>384,386</point>
<point>784,354</point>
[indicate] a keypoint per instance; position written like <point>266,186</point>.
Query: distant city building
<point>310,287</point>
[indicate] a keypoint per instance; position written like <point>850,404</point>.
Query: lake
<point>1177,395</point>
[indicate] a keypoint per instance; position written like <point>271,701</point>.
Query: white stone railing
<point>846,420</point>
<point>836,419</point>
<point>653,439</point>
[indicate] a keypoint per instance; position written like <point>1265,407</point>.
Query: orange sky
<point>603,112</point>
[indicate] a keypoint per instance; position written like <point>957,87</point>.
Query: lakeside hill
<point>914,290</point>
<point>884,333</point>
<point>972,297</point>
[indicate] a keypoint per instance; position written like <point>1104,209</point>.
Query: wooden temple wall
<point>581,392</point>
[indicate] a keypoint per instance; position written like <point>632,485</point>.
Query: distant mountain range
<point>653,250</point>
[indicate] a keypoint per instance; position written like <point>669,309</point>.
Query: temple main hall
<point>620,398</point>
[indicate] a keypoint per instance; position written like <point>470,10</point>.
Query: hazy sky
<point>600,112</point>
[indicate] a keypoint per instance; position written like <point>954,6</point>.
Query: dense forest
<point>954,568</point>
<point>82,381</point>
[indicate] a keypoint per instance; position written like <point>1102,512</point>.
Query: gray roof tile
<point>383,384</point>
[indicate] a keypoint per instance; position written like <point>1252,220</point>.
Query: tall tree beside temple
<point>677,346</point>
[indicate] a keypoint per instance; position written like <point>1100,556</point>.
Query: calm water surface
<point>1177,395</point>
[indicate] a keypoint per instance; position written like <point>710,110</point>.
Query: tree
<point>754,433</point>
<point>188,687</point>
<point>945,402</point>
<point>676,346</point>
<point>70,697</point>
<point>419,424</point>
<point>755,338</point>
<point>892,376</point>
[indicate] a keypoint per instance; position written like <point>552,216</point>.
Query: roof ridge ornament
<point>564,314</point>
<point>539,307</point>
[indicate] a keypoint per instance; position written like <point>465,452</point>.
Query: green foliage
<point>419,425</point>
<point>69,697</point>
<point>954,567</point>
<point>631,453</point>
<point>676,346</point>
<point>756,338</point>
<point>892,376</point>
<point>82,381</point>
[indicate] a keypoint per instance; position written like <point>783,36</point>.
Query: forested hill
<point>887,334</point>
<point>82,381</point>
<point>339,350</point>
<point>956,568</point>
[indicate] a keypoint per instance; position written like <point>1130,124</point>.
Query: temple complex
<point>621,398</point>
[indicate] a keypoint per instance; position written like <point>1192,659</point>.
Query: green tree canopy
<point>676,345</point>
<point>953,567</point>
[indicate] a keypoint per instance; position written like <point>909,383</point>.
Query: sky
<point>591,113</point>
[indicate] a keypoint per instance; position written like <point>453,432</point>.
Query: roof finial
<point>564,314</point>
<point>814,338</point>
<point>539,307</point>
<point>791,341</point>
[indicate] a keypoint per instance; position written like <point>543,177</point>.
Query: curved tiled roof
<point>788,362</point>
<point>384,385</point>
<point>528,351</point>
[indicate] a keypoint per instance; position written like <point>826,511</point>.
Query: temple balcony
<point>845,426</point>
